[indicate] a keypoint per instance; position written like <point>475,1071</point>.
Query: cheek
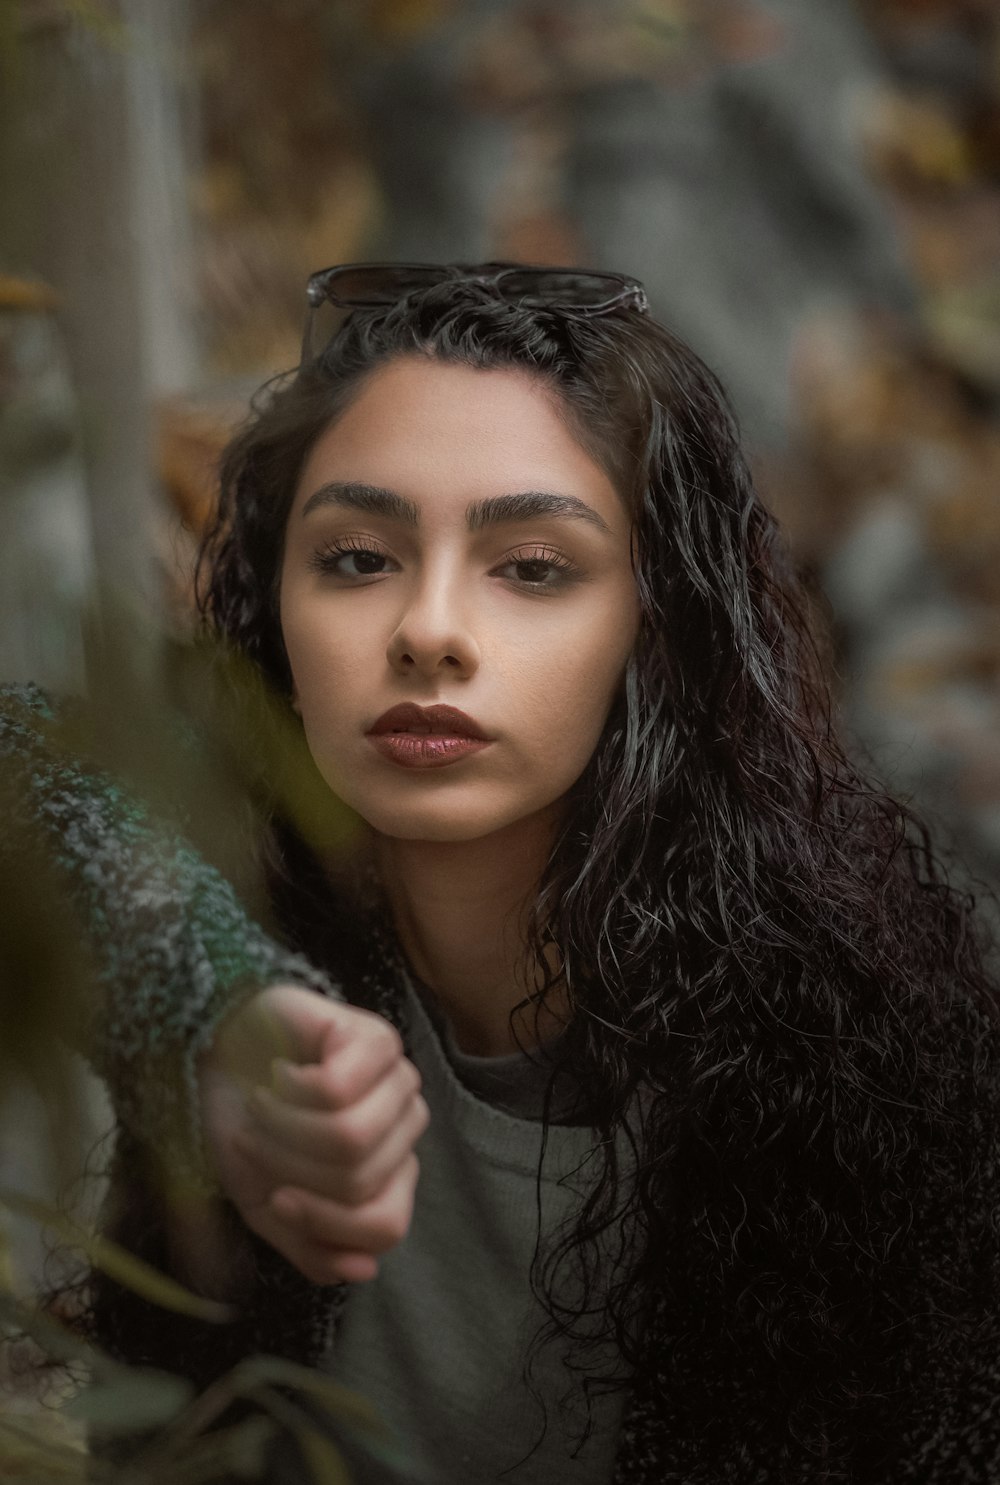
<point>318,651</point>
<point>324,677</point>
<point>573,689</point>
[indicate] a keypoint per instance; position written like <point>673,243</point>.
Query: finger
<point>349,1182</point>
<point>374,1227</point>
<point>366,1181</point>
<point>281,1021</point>
<point>320,1263</point>
<point>348,1022</point>
<point>300,1024</point>
<point>343,1135</point>
<point>344,1075</point>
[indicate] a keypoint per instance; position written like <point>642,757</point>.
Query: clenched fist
<point>311,1112</point>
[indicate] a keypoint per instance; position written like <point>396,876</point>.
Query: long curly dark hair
<point>777,995</point>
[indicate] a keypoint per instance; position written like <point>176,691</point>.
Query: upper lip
<point>445,721</point>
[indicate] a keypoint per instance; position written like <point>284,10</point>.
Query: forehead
<point>433,430</point>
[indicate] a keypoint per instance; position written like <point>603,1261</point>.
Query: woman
<point>706,1189</point>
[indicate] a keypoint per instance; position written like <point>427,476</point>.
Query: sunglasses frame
<point>624,292</point>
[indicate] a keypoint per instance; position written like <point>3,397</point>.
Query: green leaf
<point>242,1446</point>
<point>352,1407</point>
<point>324,1404</point>
<point>134,1400</point>
<point>118,1264</point>
<point>174,1457</point>
<point>326,1465</point>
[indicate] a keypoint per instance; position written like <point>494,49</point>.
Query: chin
<point>432,827</point>
<point>440,820</point>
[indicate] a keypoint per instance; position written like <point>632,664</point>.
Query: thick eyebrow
<point>498,510</point>
<point>371,498</point>
<point>526,506</point>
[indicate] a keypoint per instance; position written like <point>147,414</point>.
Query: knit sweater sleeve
<point>172,948</point>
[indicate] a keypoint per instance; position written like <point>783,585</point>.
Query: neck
<point>460,910</point>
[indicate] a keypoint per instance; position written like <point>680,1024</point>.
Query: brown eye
<point>543,571</point>
<point>534,570</point>
<point>367,562</point>
<point>349,561</point>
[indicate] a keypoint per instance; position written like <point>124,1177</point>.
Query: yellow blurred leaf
<point>6,1264</point>
<point>26,294</point>
<point>400,21</point>
<point>114,1261</point>
<point>35,1446</point>
<point>325,1464</point>
<point>964,321</point>
<point>919,140</point>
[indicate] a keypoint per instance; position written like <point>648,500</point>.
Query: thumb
<point>283,1021</point>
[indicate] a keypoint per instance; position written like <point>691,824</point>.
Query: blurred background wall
<point>809,188</point>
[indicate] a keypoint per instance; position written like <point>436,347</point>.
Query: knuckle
<point>332,1083</point>
<point>421,1115</point>
<point>319,1226</point>
<point>391,1216</point>
<point>385,1034</point>
<point>359,1188</point>
<point>388,1231</point>
<point>351,1137</point>
<point>284,1207</point>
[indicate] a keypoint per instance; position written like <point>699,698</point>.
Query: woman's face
<point>452,545</point>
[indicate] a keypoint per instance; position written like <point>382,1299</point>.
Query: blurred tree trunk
<point>94,194</point>
<point>95,202</point>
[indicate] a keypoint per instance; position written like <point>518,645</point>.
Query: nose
<point>433,636</point>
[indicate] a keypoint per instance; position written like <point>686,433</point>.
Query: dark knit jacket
<point>174,951</point>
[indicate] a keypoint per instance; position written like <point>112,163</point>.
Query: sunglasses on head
<point>369,285</point>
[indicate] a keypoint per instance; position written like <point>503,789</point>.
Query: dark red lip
<point>437,721</point>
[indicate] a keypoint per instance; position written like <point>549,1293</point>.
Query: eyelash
<point>326,560</point>
<point>560,565</point>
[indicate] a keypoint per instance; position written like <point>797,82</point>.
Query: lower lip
<point>425,750</point>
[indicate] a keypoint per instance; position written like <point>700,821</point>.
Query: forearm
<point>172,948</point>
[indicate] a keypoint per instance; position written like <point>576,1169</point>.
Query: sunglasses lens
<point>380,284</point>
<point>562,286</point>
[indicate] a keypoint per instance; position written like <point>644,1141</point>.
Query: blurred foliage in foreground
<point>190,762</point>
